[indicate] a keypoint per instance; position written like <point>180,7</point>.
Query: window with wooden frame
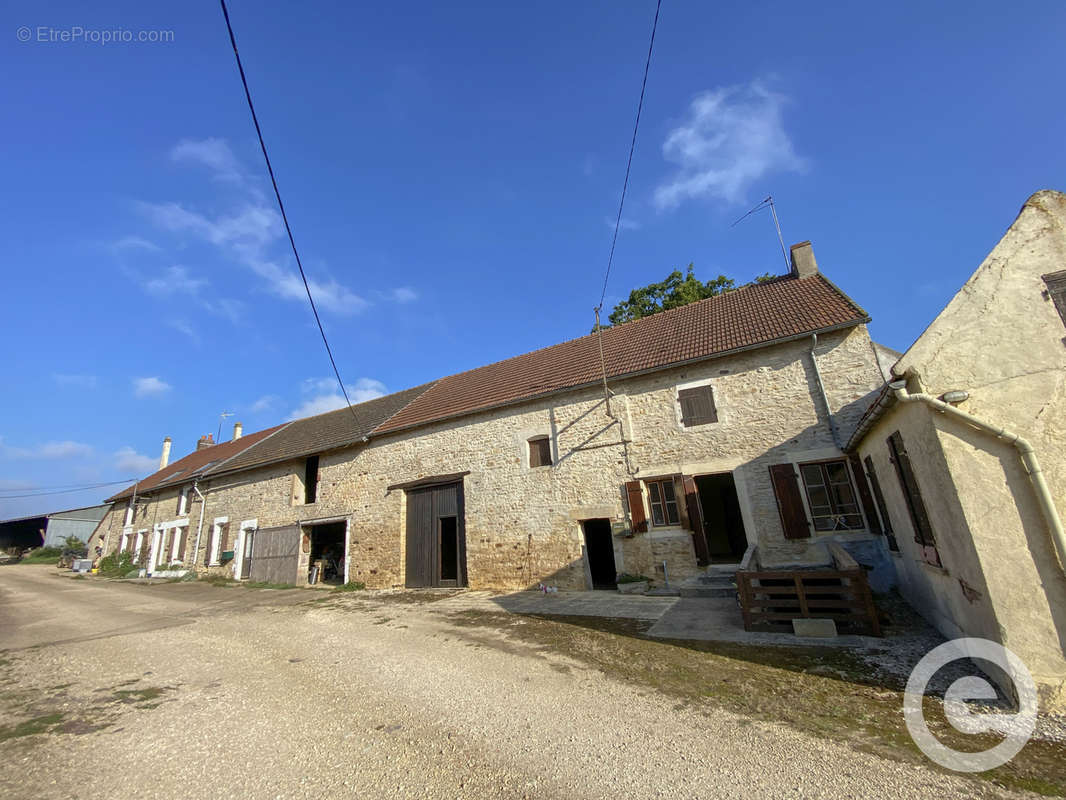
<point>831,496</point>
<point>697,406</point>
<point>663,501</point>
<point>540,452</point>
<point>923,529</point>
<point>1056,290</point>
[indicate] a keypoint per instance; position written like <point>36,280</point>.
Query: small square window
<point>664,510</point>
<point>540,452</point>
<point>697,406</point>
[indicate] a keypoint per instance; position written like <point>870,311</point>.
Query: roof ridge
<point>658,315</point>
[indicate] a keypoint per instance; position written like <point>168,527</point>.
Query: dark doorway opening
<point>449,551</point>
<point>599,551</point>
<point>327,552</point>
<point>723,525</point>
<point>436,538</point>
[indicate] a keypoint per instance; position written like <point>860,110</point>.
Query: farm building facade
<point>702,433</point>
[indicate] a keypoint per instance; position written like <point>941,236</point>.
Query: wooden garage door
<point>275,555</point>
<point>436,536</point>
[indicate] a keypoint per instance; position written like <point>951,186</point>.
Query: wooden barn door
<point>275,555</point>
<point>436,537</point>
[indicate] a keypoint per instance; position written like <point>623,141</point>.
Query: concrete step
<point>664,592</point>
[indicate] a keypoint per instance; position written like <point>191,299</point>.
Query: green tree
<point>676,290</point>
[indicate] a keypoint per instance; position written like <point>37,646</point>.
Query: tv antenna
<point>769,202</point>
<point>222,416</point>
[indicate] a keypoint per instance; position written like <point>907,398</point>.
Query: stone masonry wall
<point>523,525</point>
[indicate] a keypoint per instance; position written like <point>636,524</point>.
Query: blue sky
<point>451,172</point>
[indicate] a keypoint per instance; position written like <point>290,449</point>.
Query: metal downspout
<point>825,398</point>
<point>200,527</point>
<point>1025,450</point>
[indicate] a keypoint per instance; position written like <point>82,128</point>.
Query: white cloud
<point>183,327</point>
<point>404,294</point>
<point>130,461</point>
<point>215,154</point>
<point>731,138</point>
<point>324,395</point>
<point>48,450</point>
<point>174,280</point>
<point>135,243</point>
<point>623,224</point>
<point>245,236</point>
<point>145,387</point>
<point>81,381</point>
<point>233,310</point>
<point>329,295</point>
<point>264,403</point>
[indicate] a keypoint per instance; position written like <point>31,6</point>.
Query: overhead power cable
<point>629,162</point>
<point>281,205</point>
<point>42,491</point>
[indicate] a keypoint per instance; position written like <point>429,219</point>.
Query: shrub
<point>73,548</point>
<point>116,565</point>
<point>625,577</point>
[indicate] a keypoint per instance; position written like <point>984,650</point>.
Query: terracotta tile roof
<point>751,316</point>
<point>322,432</point>
<point>194,464</point>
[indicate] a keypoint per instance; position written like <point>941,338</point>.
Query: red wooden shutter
<point>864,494</point>
<point>695,520</point>
<point>224,536</point>
<point>636,507</point>
<point>789,501</point>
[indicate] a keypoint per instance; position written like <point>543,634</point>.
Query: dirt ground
<point>115,689</point>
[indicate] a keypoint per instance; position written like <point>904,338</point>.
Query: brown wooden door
<point>246,554</point>
<point>436,537</point>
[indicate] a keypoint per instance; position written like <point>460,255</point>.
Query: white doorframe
<point>238,555</point>
<point>347,545</point>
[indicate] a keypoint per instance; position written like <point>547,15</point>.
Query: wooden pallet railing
<point>770,598</point>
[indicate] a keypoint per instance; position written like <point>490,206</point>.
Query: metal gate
<point>436,536</point>
<point>275,556</point>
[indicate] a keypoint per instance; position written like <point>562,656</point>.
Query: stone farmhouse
<point>692,438</point>
<point>965,450</point>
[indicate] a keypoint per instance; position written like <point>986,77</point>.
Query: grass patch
<point>30,727</point>
<point>42,555</point>
<point>138,695</point>
<point>217,580</point>
<point>828,692</point>
<point>351,586</point>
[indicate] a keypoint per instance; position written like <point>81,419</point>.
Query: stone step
<point>708,591</point>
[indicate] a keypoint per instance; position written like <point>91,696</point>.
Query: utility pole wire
<point>632,147</point>
<point>281,207</point>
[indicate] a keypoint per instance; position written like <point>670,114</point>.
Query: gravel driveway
<point>187,690</point>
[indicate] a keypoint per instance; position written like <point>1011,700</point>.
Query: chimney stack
<point>164,459</point>
<point>205,441</point>
<point>238,430</point>
<point>803,263</point>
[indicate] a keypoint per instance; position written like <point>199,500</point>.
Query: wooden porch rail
<point>772,597</point>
